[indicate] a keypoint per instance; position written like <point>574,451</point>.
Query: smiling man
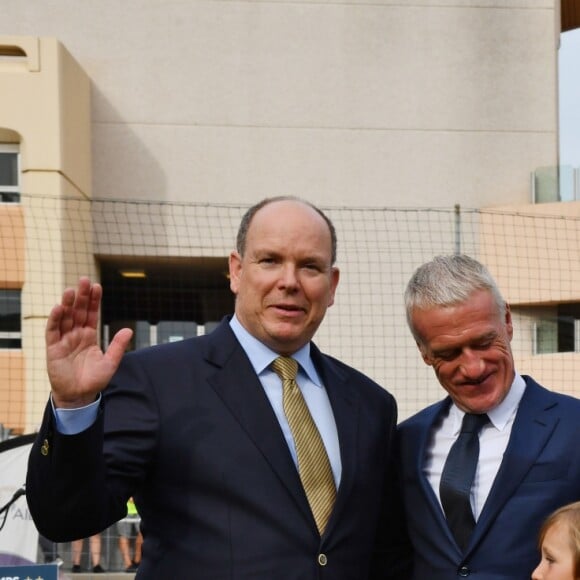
<point>283,274</point>
<point>251,455</point>
<point>482,468</point>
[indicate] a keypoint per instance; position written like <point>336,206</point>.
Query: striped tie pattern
<point>313,463</point>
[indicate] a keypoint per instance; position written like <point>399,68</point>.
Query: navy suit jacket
<point>540,471</point>
<point>187,429</point>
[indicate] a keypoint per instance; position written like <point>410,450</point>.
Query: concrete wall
<point>424,103</point>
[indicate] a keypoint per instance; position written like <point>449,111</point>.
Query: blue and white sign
<point>38,572</point>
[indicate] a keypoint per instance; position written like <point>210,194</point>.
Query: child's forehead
<point>558,532</point>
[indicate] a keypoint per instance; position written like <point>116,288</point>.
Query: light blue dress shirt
<point>310,384</point>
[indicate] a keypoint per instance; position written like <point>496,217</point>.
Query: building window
<point>546,337</point>
<point>9,174</point>
<point>559,333</point>
<point>10,319</point>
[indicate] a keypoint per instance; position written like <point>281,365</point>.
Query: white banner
<point>18,535</point>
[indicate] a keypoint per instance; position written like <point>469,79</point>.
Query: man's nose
<point>472,364</point>
<point>288,275</point>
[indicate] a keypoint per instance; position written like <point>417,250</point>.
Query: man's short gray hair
<point>448,280</point>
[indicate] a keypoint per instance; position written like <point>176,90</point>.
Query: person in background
<point>559,543</point>
<point>129,528</point>
<point>249,452</point>
<point>482,468</point>
<point>95,554</point>
<point>49,551</point>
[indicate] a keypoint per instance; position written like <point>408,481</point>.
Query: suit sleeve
<point>66,476</point>
<point>78,485</point>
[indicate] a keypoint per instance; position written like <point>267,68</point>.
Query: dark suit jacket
<point>187,429</point>
<point>540,471</point>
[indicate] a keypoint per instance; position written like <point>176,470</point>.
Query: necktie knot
<point>286,368</point>
<point>473,423</point>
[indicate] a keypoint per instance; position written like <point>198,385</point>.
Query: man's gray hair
<point>448,280</point>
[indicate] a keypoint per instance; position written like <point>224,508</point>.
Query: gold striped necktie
<point>313,463</point>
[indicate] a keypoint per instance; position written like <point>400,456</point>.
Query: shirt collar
<point>499,416</point>
<point>262,357</point>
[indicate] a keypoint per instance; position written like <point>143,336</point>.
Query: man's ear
<point>235,270</point>
<point>508,321</point>
<point>334,277</point>
<point>426,358</point>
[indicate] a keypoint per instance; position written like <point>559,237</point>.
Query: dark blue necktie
<point>457,478</point>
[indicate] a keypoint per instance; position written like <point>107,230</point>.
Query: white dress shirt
<point>493,440</point>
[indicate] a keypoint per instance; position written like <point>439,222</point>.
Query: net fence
<point>163,267</point>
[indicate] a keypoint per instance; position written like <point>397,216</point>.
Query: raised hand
<point>77,367</point>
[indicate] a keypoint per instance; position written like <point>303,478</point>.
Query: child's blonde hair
<point>570,515</point>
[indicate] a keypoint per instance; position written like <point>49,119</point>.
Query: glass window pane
<point>8,169</point>
<point>10,343</point>
<point>546,336</point>
<point>9,197</point>
<point>10,311</point>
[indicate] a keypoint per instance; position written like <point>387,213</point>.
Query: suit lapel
<point>531,430</point>
<point>239,388</point>
<point>432,416</point>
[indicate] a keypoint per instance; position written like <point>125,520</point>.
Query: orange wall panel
<point>12,395</point>
<point>11,247</point>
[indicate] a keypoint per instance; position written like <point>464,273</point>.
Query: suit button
<point>322,559</point>
<point>464,571</point>
<point>45,447</point>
